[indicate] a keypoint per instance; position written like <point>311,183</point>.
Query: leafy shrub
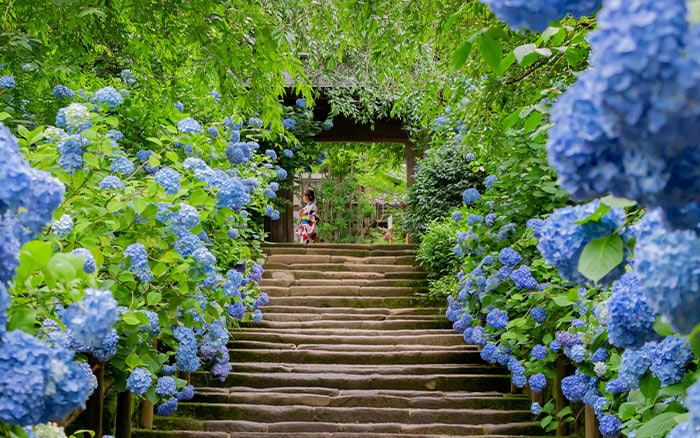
<point>439,182</point>
<point>435,252</point>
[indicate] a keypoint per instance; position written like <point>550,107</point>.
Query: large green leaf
<point>601,256</point>
<point>658,426</point>
<point>491,51</point>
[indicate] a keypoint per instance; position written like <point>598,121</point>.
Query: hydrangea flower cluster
<point>169,179</point>
<point>77,117</point>
<point>628,125</point>
<point>667,265</point>
<point>7,81</point>
<point>91,319</point>
<point>139,262</point>
<point>630,318</point>
<point>139,381</point>
<point>71,149</point>
<point>63,92</point>
<point>111,182</point>
<point>536,15</point>
<point>562,240</point>
<point>189,125</point>
<point>38,383</point>
<point>186,355</point>
<point>107,96</point>
<point>28,198</point>
<point>62,226</point>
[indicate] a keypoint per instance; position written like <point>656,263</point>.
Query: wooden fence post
<point>560,401</point>
<point>123,429</point>
<point>592,430</point>
<point>95,405</point>
<point>146,414</point>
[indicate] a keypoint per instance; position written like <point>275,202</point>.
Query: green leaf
<point>22,318</point>
<point>533,120</point>
<point>512,119</point>
<point>153,298</point>
<point>133,360</point>
<point>37,251</point>
<point>135,318</point>
<point>91,11</point>
<point>627,411</point>
<point>521,52</point>
<point>4,116</point>
<point>663,328</point>
<point>658,426</point>
<point>562,301</point>
<point>198,197</point>
<point>155,141</point>
<point>459,56</point>
<point>172,156</point>
<point>601,256</point>
<point>649,385</point>
<point>596,216</point>
<point>491,51</point>
<point>617,202</point>
<point>140,204</point>
<point>65,266</point>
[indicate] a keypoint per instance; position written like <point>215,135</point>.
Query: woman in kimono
<point>306,228</point>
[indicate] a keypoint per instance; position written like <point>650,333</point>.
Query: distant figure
<point>307,218</point>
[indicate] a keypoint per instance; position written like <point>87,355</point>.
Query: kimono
<point>307,223</point>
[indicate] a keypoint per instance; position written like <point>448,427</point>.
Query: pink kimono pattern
<point>307,223</point>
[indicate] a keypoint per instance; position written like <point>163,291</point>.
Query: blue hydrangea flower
<point>633,365</point>
<point>509,257</point>
<point>490,181</point>
<point>457,250</point>
<point>281,173</point>
<point>143,155</point>
<point>179,106</point>
<point>222,365</point>
<point>166,386</point>
<point>213,131</point>
<point>474,219</point>
<point>32,380</point>
<point>122,165</point>
<point>539,314</point>
<point>115,135</point>
<point>111,182</point>
<point>576,353</point>
<point>256,272</point>
<point>523,279</point>
<point>490,219</point>
<point>236,310</point>
<point>562,240</point>
<point>168,408</point>
<point>139,381</point>
<point>535,408</point>
<point>139,262</point>
<point>186,354</point>
<point>538,382</point>
<point>169,179</point>
<point>610,426</point>
<point>289,123</point>
<point>128,78</point>
<point>255,122</point>
<point>555,346</point>
<point>630,318</point>
<point>692,402</point>
<point>71,149</point>
<point>683,430</point>
<point>457,216</point>
<point>91,319</point>
<point>497,319</point>
<point>469,196</point>
<point>187,393</point>
<point>107,349</point>
<point>62,227</point>
<point>536,15</point>
<point>301,103</point>
<point>539,352</point>
<point>573,388</point>
<point>63,92</point>
<point>327,125</point>
<point>669,358</point>
<point>667,265</point>
<point>600,355</point>
<point>566,339</point>
<point>168,370</point>
<point>275,215</point>
<point>7,81</point>
<point>107,96</point>
<point>188,125</point>
<point>288,153</point>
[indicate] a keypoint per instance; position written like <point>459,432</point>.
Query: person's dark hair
<point>310,194</point>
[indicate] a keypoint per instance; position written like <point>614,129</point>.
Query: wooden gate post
<point>123,429</point>
<point>95,405</point>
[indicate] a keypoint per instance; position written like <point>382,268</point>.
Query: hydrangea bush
<point>133,237</point>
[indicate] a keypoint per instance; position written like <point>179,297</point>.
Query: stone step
<point>348,301</point>
<point>345,317</point>
<point>269,246</point>
<point>403,370</point>
<point>266,345</point>
<point>341,291</point>
<point>338,267</point>
<point>418,357</point>
<point>335,282</point>
<point>398,324</point>
<point>287,274</point>
<point>292,259</point>
<point>355,252</point>
<point>364,429</point>
<point>360,398</point>
<point>271,308</point>
<point>438,382</point>
<point>142,433</point>
<point>300,413</point>
<point>342,337</point>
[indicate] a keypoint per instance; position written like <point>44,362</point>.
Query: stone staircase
<point>347,351</point>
